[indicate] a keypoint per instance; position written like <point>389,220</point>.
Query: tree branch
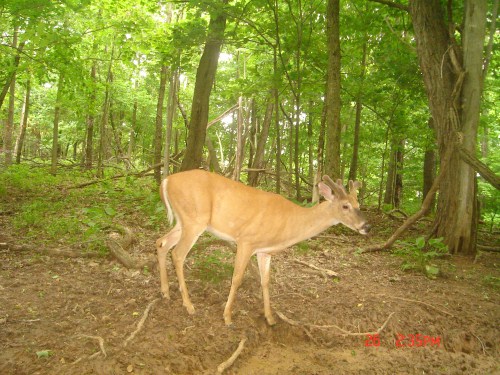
<point>479,167</point>
<point>392,4</point>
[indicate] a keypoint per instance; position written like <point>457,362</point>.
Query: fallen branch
<point>323,271</point>
<point>420,302</point>
<point>228,363</point>
<point>343,332</point>
<point>117,246</point>
<point>136,174</point>
<point>141,322</point>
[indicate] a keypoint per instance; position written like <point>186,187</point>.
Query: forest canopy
<point>293,89</point>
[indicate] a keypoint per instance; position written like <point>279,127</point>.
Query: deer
<point>260,223</point>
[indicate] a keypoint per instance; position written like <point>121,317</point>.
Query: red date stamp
<point>406,341</point>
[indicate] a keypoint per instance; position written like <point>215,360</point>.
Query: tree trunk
<point>174,79</point>
<point>332,99</point>
<point>205,76</point>
<point>353,170</point>
<point>89,143</point>
<point>238,161</point>
<point>158,139</point>
<point>12,74</point>
<point>133,134</point>
<point>9,125</point>
<point>455,110</point>
<point>55,132</point>
<point>24,123</point>
<point>429,170</point>
<point>102,152</point>
<point>253,176</point>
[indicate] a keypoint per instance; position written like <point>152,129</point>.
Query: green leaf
<point>43,353</point>
<point>110,211</point>
<point>420,242</point>
<point>431,271</point>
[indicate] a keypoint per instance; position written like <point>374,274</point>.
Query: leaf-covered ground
<point>63,315</point>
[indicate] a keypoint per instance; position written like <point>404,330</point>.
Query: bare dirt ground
<point>72,316</point>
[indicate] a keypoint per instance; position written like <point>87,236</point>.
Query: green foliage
<point>214,266</point>
<point>492,281</point>
<point>419,256</point>
<point>48,213</point>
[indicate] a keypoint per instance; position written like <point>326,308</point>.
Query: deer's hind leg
<point>187,239</point>
<point>163,245</point>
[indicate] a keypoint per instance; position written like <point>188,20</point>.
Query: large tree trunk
<point>332,99</point>
<point>24,123</point>
<point>429,170</point>
<point>205,76</point>
<point>158,140</point>
<point>455,110</point>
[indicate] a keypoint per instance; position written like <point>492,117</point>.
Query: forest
<point>101,100</point>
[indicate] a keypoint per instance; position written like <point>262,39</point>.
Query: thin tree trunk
<point>332,99</point>
<point>11,88</point>
<point>89,143</point>
<point>158,139</point>
<point>133,134</point>
<point>174,78</point>
<point>239,141</point>
<point>205,77</point>
<point>55,132</point>
<point>353,170</point>
<point>104,120</point>
<point>253,175</point>
<point>24,122</point>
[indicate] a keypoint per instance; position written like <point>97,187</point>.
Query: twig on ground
<point>101,346</point>
<point>228,363</point>
<point>141,322</point>
<point>343,332</point>
<point>324,271</point>
<point>422,303</point>
<point>484,349</point>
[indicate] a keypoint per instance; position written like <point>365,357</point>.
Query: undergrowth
<point>45,210</point>
<point>420,255</point>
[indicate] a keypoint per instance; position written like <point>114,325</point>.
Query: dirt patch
<point>53,310</point>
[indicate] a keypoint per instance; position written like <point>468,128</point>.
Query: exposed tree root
<point>141,322</point>
<point>229,362</point>
<point>420,302</point>
<point>101,347</point>
<point>342,332</point>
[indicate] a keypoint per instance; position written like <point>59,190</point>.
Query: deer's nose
<point>365,229</point>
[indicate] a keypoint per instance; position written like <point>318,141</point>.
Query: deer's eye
<point>345,207</point>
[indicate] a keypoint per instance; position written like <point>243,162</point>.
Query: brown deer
<point>259,222</point>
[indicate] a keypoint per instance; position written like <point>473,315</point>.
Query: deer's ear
<point>325,191</point>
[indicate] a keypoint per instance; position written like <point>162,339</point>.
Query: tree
<point>454,91</point>
<point>332,97</point>
<point>205,77</point>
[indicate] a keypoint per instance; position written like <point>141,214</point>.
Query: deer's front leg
<point>243,254</point>
<point>264,261</point>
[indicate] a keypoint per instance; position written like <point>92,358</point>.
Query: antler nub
<point>337,187</point>
<point>354,187</point>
